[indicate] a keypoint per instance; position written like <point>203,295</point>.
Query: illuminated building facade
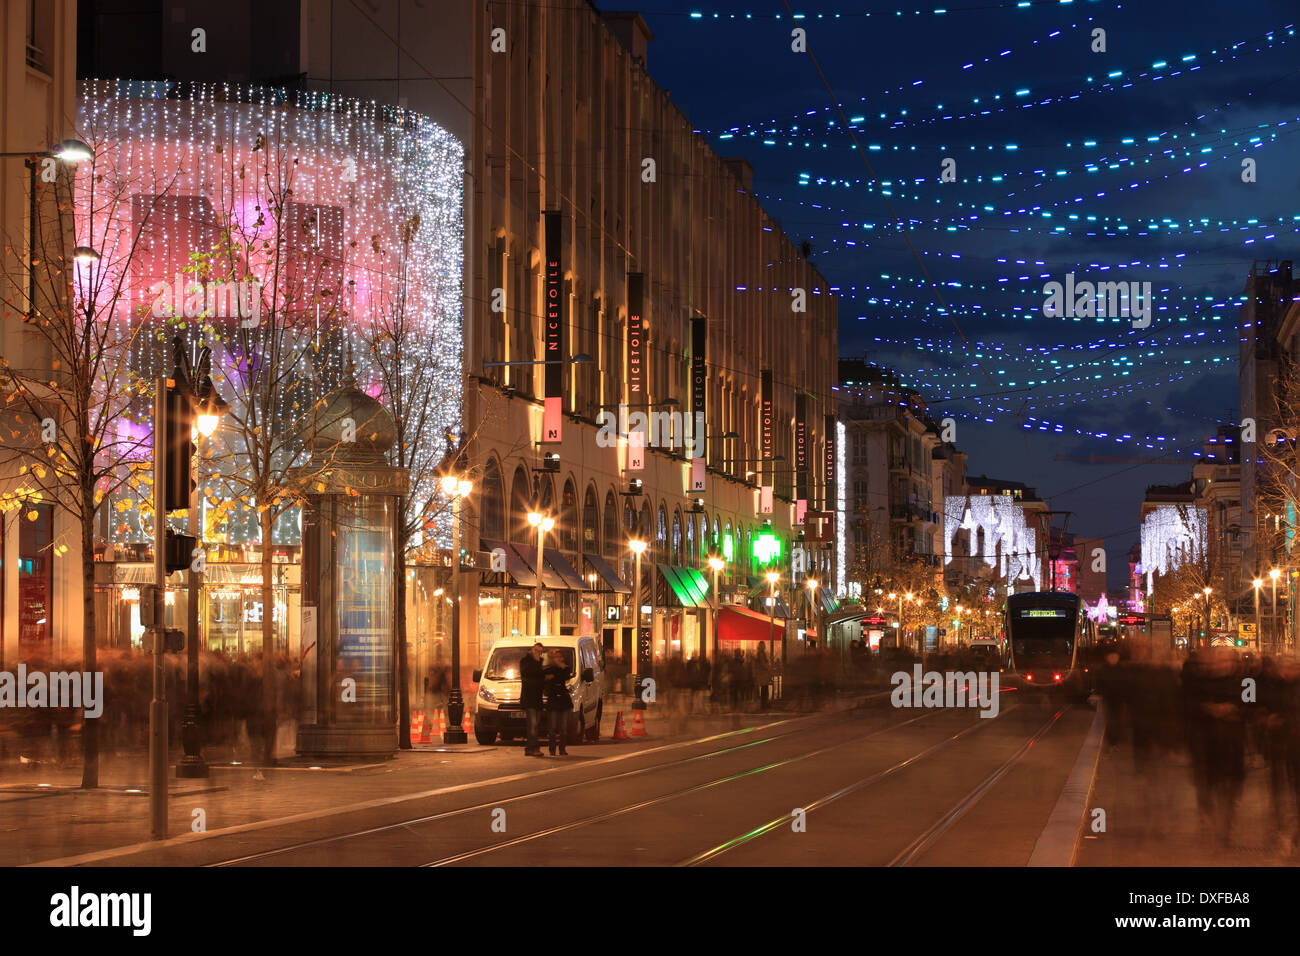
<point>332,211</point>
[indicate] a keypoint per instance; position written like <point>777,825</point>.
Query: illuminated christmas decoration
<point>360,181</point>
<point>997,535</point>
<point>1172,535</point>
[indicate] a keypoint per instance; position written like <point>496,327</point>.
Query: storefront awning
<point>742,624</point>
<point>827,600</point>
<point>520,571</point>
<point>606,573</point>
<point>560,565</point>
<point>687,584</point>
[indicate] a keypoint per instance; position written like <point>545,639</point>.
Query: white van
<point>497,710</point>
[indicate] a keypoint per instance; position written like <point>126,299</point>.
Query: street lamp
<point>543,523</point>
<point>1274,574</point>
<point>1257,584</point>
<point>457,489</point>
<point>69,152</point>
<point>1206,591</point>
<point>716,564</point>
<point>637,546</point>
<point>772,578</point>
<point>208,407</point>
<point>813,584</point>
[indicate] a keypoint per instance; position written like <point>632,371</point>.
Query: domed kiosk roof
<point>352,426</point>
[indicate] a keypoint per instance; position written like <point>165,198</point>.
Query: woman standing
<point>559,705</point>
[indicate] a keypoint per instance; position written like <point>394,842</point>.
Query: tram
<point>1049,640</point>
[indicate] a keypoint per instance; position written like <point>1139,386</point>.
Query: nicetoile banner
<point>699,399</point>
<point>553,402</point>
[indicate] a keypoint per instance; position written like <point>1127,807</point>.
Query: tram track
<point>340,838</point>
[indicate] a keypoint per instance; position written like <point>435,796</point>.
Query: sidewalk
<point>1152,818</point>
<point>44,815</point>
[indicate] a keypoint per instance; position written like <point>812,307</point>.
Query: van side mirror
<point>478,676</point>
<point>587,675</point>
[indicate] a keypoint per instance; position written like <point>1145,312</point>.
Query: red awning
<point>741,624</point>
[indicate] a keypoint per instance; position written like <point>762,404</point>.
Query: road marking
<point>96,856</point>
<point>1058,844</point>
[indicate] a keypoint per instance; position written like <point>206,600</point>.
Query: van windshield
<point>503,664</point>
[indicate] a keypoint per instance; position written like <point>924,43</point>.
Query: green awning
<point>688,585</point>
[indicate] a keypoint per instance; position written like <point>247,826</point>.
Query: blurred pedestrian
<point>531,682</point>
<point>559,703</point>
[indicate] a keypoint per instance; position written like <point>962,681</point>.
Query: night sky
<point>1202,87</point>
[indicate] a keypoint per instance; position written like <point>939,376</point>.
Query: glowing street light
<point>543,523</point>
<point>638,547</point>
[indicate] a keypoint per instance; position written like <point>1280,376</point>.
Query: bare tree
<point>74,406</point>
<point>272,361</point>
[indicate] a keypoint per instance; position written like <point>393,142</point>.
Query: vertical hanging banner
<point>765,432</point>
<point>800,456</point>
<point>828,466</point>
<point>699,399</point>
<point>635,365</point>
<point>553,310</point>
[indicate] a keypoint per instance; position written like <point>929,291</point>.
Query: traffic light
<point>633,486</point>
<point>178,551</point>
<point>178,441</point>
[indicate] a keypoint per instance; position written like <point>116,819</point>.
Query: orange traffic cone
<point>426,727</point>
<point>638,724</point>
<point>620,730</point>
<point>417,724</point>
<point>467,724</point>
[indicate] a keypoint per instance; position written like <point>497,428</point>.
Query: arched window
<point>661,536</point>
<point>566,523</point>
<point>677,538</point>
<point>613,540</point>
<point>590,522</point>
<point>493,502</point>
<point>521,502</point>
<point>692,558</point>
<point>546,497</point>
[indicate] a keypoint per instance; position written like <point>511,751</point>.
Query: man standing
<point>531,680</point>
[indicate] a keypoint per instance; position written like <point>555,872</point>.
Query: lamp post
<point>1206,591</point>
<point>208,410</point>
<point>1274,574</point>
<point>1257,584</point>
<point>772,578</point>
<point>908,596</point>
<point>638,546</point>
<point>716,564</point>
<point>69,152</point>
<point>812,584</point>
<point>457,489</point>
<point>543,523</point>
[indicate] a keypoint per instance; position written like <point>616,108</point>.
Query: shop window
<point>35,579</point>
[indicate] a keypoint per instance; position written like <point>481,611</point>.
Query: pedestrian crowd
<point>1220,713</point>
<point>231,708</point>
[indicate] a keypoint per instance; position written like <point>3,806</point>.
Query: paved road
<point>876,786</point>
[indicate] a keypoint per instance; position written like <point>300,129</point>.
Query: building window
<point>590,523</point>
<point>493,502</point>
<point>613,542</point>
<point>35,580</point>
